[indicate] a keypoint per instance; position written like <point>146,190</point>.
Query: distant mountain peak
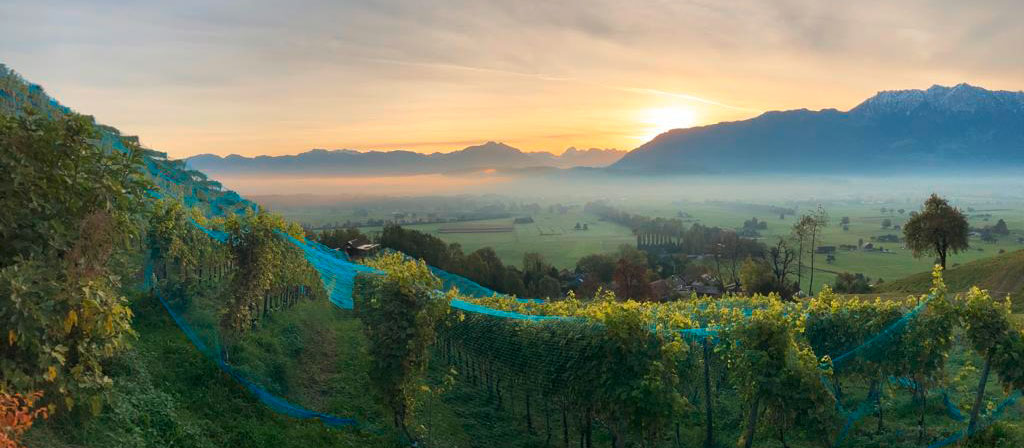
<point>488,155</point>
<point>962,97</point>
<point>490,146</point>
<point>940,128</point>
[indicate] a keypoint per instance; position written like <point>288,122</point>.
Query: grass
<point>865,222</point>
<point>1002,274</point>
<point>553,235</point>
<point>167,394</point>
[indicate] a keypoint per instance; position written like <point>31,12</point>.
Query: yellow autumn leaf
<point>70,321</point>
<point>96,405</point>
<point>12,337</point>
<point>51,374</point>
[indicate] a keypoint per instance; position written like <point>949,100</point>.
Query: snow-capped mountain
<point>940,128</point>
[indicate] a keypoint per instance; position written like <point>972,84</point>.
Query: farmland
<point>553,232</point>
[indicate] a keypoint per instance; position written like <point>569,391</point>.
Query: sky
<point>270,77</point>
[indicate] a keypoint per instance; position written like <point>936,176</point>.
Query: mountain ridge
<point>488,155</point>
<point>939,128</point>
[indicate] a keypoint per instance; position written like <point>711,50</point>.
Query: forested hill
<point>19,97</point>
<point>89,357</point>
<point>938,129</point>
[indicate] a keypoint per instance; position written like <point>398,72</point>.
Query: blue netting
<point>480,309</point>
<point>215,234</point>
<point>337,274</point>
<point>464,285</point>
<point>951,408</point>
<point>867,405</point>
<point>984,423</point>
<point>275,403</point>
<point>883,336</point>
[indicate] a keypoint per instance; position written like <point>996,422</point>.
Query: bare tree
<point>780,259</point>
<point>809,227</point>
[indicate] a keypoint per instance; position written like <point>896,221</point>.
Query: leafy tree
<point>67,227</point>
<point>989,329</point>
<point>399,311</point>
<point>256,251</point>
<point>631,274</point>
<point>549,287</point>
<point>730,249</point>
<point>600,266</point>
<point>1000,228</point>
<point>851,283</point>
<point>926,343</point>
<point>637,383</point>
<point>513,283</point>
<point>756,277</point>
<point>937,230</point>
<point>886,223</point>
<point>772,369</point>
<point>337,238</point>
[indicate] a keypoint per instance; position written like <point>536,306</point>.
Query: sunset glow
<point>666,119</point>
<point>274,78</point>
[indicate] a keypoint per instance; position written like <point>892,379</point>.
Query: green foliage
<point>263,260</point>
<point>851,283</point>
<point>771,367</point>
<point>400,311</point>
<point>756,277</point>
<point>937,230</point>
<point>337,238</point>
<point>65,237</point>
<point>482,266</point>
<point>55,177</point>
<point>166,394</point>
<point>634,380</point>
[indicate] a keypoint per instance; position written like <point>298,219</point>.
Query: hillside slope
<point>1002,274</point>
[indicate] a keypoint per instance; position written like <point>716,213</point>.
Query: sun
<point>664,119</point>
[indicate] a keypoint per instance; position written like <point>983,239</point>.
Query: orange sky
<point>276,78</point>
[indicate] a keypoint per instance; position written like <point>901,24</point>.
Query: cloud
<point>450,70</point>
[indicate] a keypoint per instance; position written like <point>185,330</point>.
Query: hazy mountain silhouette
<point>344,161</point>
<point>941,128</point>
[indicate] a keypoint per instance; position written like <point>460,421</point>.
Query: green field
<point>551,234</point>
<point>865,222</point>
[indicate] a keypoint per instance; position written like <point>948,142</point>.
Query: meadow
<point>553,234</point>
<point>865,222</point>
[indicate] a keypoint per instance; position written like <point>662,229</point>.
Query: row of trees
<point>255,270</point>
<point>78,223</point>
<point>768,357</point>
<point>938,230</point>
<point>565,365</point>
<point>536,278</point>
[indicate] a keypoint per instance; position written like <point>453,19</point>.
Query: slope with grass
<point>1002,274</point>
<point>167,394</point>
